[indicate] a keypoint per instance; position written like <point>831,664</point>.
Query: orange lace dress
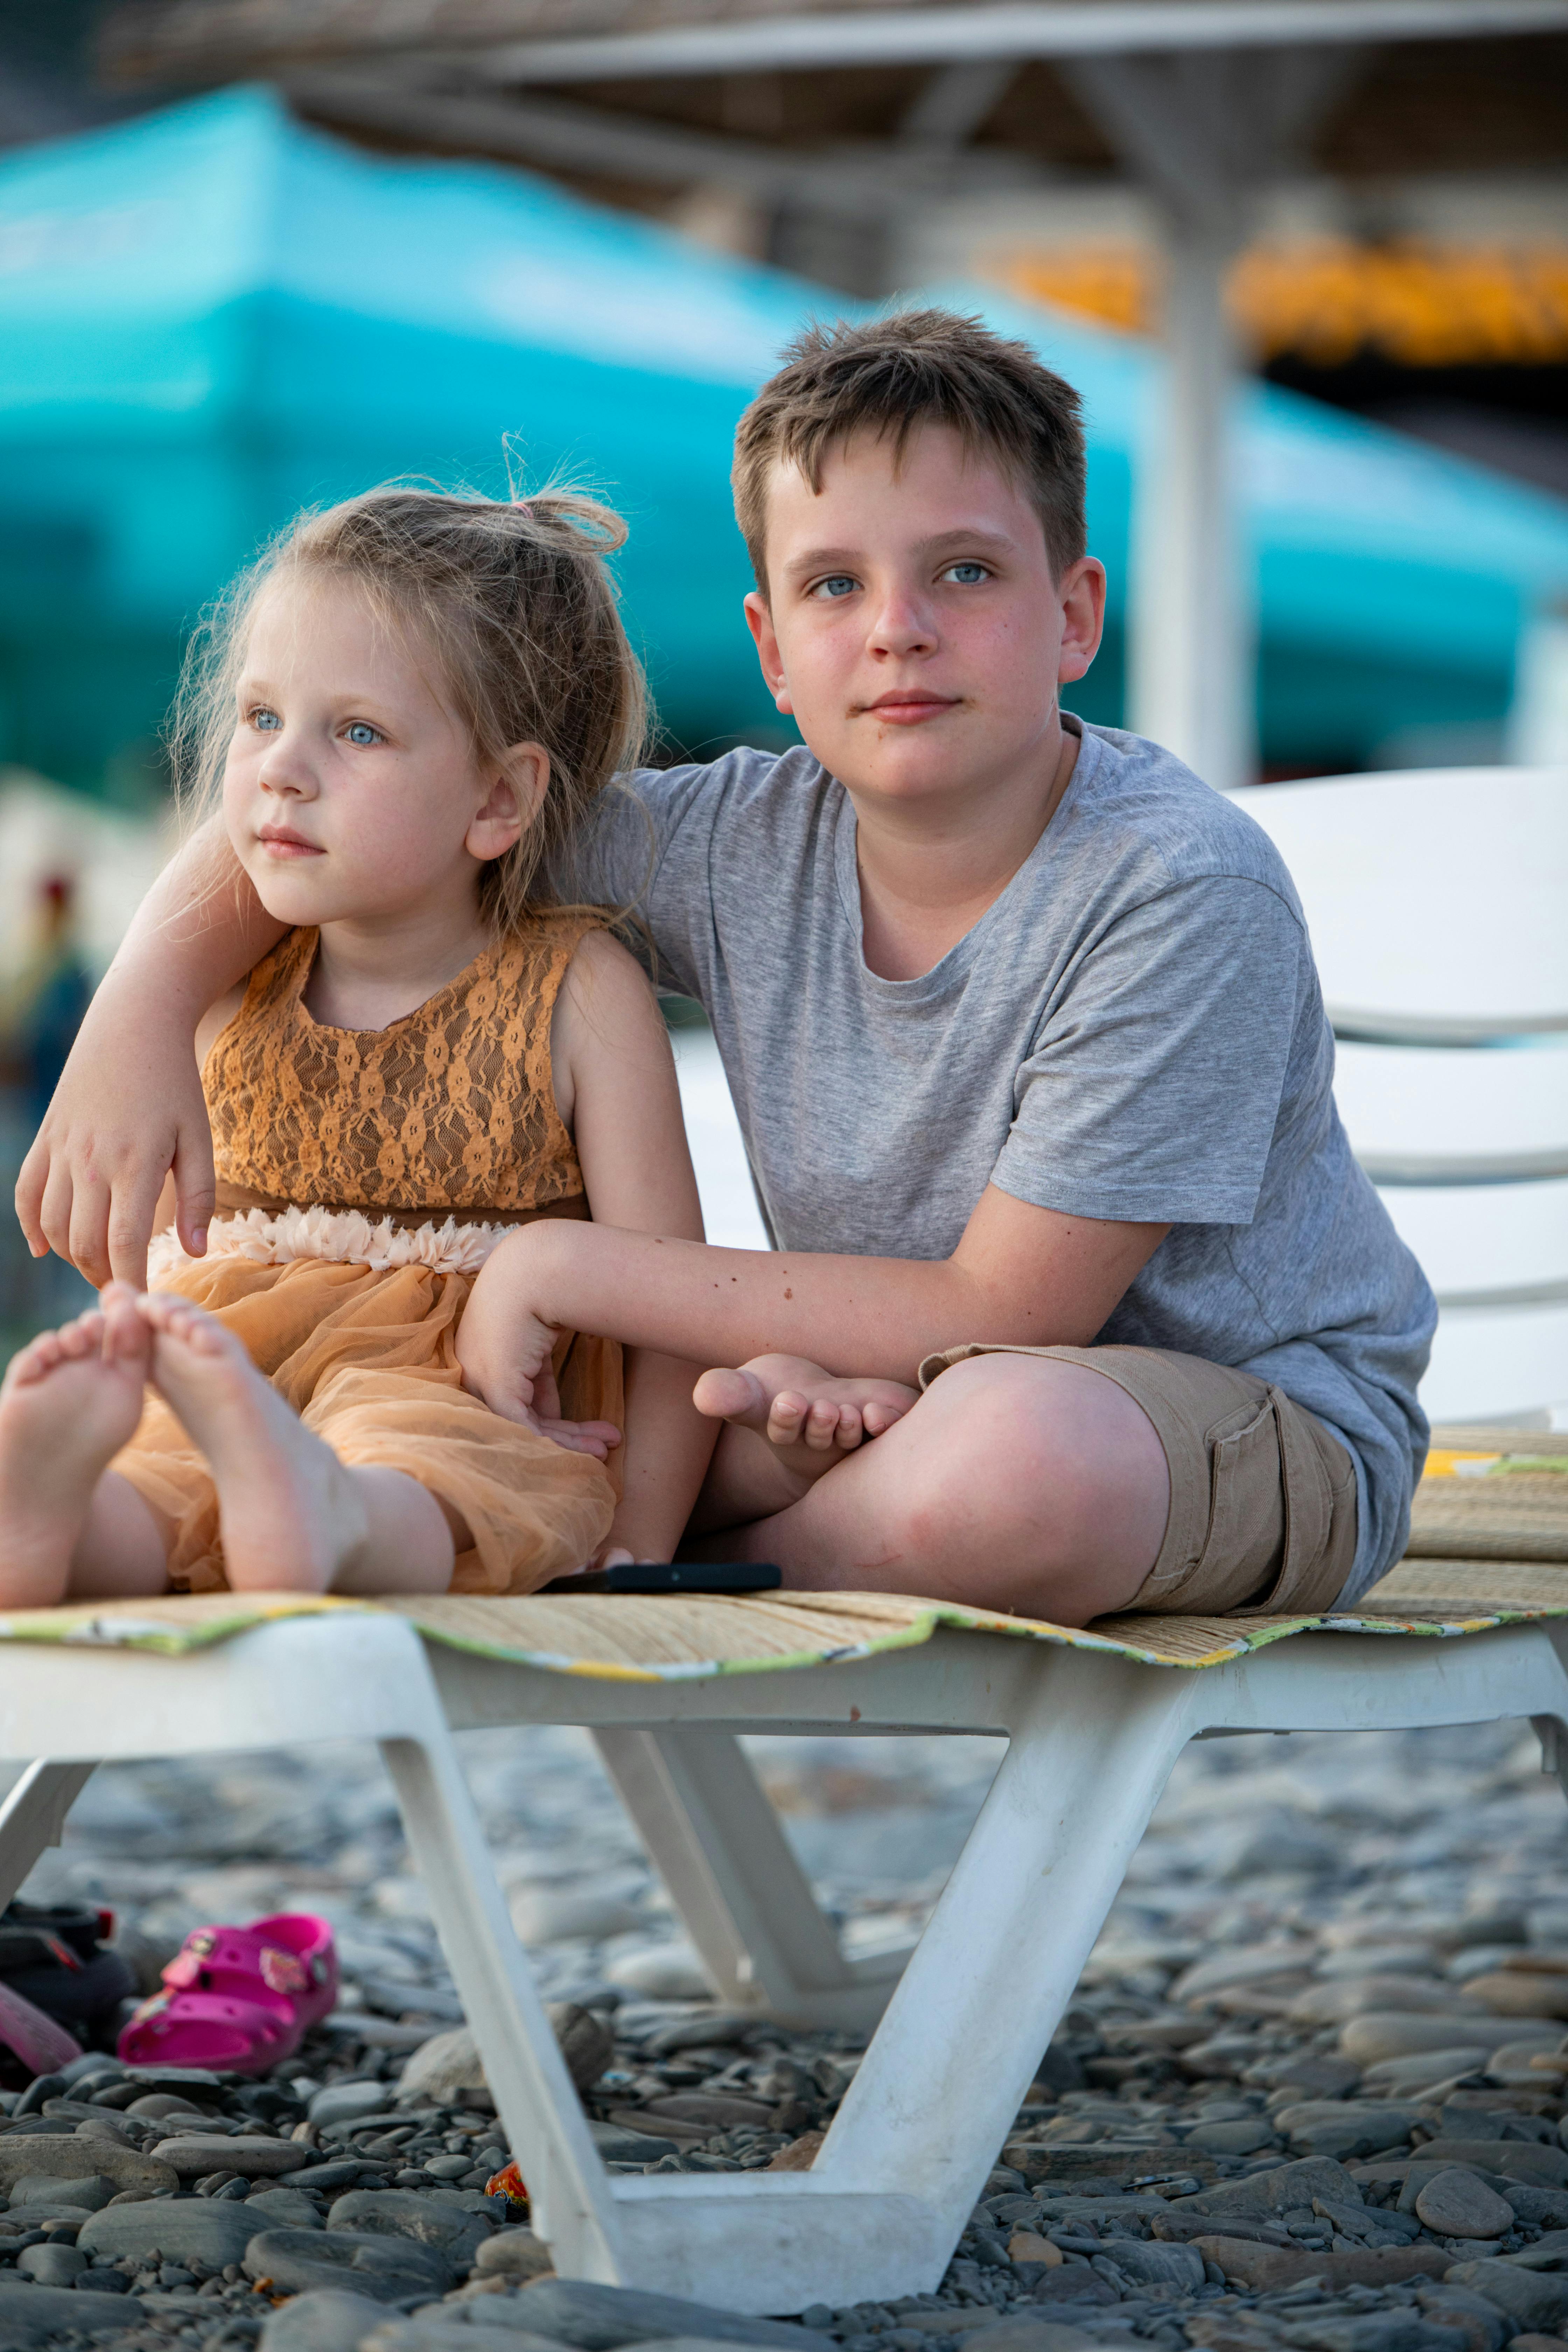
<point>363,1178</point>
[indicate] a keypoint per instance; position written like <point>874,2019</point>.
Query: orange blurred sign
<point>1415,304</point>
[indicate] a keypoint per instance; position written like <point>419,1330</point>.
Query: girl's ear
<point>518,786</point>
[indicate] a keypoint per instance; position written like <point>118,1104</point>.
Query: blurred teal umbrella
<point>212,316</point>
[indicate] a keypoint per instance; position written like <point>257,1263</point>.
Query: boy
<point>1026,1043</point>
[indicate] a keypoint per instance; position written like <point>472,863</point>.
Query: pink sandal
<point>237,2000</point>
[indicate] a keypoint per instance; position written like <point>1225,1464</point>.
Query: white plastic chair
<point>1438,902</point>
<point>1092,1735</point>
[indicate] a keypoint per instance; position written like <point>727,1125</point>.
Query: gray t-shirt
<point>1134,1030</point>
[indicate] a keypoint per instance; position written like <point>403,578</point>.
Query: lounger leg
<point>990,1980</point>
<point>732,1876</point>
<point>34,1817</point>
<point>568,2188</point>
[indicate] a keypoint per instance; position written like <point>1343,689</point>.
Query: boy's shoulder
<point>1161,815</point>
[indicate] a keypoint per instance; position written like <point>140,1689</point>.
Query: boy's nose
<point>903,625</point>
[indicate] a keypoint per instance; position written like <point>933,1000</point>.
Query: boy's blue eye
<point>966,574</point>
<point>362,734</point>
<point>838,583</point>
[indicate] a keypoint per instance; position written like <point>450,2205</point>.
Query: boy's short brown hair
<point>919,367</point>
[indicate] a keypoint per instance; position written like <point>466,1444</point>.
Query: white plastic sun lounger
<point>1093,1723</point>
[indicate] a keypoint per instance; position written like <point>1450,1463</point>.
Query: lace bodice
<point>450,1108</point>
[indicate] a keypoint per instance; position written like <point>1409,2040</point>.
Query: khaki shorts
<point>1263,1497</point>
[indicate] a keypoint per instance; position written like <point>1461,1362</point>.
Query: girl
<point>406,706</point>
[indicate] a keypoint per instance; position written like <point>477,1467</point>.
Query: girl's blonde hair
<point>515,604</point>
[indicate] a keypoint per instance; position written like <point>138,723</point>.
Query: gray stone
<point>1345,2127</point>
<point>282,2209</point>
<point>327,2320</point>
<point>343,2172</point>
<point>93,2192</point>
<point>618,2145</point>
<point>585,2040</point>
<point>1545,2208</point>
<point>1075,2283</point>
<point>1148,2262</point>
<point>1520,2159</point>
<point>556,1912</point>
<point>193,2154</point>
<point>388,2268</point>
<point>1535,2299</point>
<point>51,2265</point>
<point>1401,2078</point>
<point>439,2068</point>
<point>600,2318</point>
<point>433,2331</point>
<point>1344,1997</point>
<point>1279,2191</point>
<point>1456,2204</point>
<point>406,2214</point>
<point>1020,2333</point>
<point>1397,2033</point>
<point>344,2103</point>
<point>1243,2136</point>
<point>514,2254</point>
<point>1460,2307</point>
<point>1219,1970</point>
<point>61,2158</point>
<point>197,2228</point>
<point>35,2314</point>
<point>662,1972</point>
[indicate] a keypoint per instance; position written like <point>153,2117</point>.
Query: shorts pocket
<point>1243,1548</point>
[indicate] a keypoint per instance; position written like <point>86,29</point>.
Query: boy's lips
<point>907,707</point>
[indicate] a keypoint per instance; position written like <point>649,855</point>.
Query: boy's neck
<point>930,871</point>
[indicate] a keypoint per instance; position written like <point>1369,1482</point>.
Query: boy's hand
<point>119,1122</point>
<point>504,1350</point>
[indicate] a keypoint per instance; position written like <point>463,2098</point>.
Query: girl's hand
<point>504,1353</point>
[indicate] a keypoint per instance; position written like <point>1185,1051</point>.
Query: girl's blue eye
<point>361,732</point>
<point>966,574</point>
<point>838,584</point>
<point>266,721</point>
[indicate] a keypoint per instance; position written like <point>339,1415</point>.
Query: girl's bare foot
<point>810,1419</point>
<point>292,1517</point>
<point>70,1400</point>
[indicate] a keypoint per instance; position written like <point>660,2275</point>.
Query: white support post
<point>1191,627</point>
<point>34,1816</point>
<point>731,1873</point>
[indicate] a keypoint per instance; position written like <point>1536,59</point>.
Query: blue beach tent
<point>212,316</point>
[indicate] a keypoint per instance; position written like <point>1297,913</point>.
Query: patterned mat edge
<point>181,1628</point>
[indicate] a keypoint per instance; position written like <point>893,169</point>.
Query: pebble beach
<point>1308,2093</point>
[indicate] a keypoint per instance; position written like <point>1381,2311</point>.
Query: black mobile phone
<point>675,1576</point>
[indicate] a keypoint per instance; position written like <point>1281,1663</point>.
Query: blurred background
<point>1309,265</point>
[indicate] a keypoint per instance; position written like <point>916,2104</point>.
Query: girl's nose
<point>286,771</point>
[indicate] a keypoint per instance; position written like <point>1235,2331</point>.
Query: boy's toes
<point>878,1416</point>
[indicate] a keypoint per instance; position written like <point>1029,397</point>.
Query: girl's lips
<point>283,845</point>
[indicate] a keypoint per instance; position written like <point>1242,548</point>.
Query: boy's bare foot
<point>810,1419</point>
<point>291,1515</point>
<point>70,1400</point>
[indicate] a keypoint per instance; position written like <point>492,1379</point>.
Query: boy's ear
<point>518,786</point>
<point>759,621</point>
<point>1083,592</point>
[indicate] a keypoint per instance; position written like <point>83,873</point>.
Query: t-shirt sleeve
<point>1154,1082</point>
<point>647,847</point>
